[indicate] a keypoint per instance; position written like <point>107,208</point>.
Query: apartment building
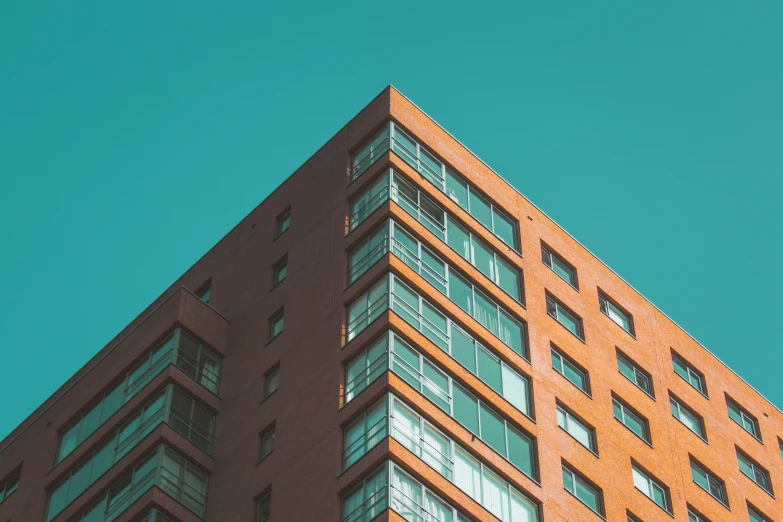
<point>396,333</point>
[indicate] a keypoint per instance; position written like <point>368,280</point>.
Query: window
<point>709,482</point>
<point>361,435</point>
<point>267,441</point>
<point>204,292</point>
<point>630,517</point>
<point>652,488</point>
<point>741,416</point>
<point>280,271</point>
<point>619,316</point>
<point>587,494</point>
<point>631,420</point>
<point>692,376</point>
<point>754,471</point>
<point>566,272</point>
<point>688,417</point>
<point>155,515</point>
<point>695,516</point>
<point>10,484</point>
<point>366,367</point>
<point>263,506</point>
<point>271,381</point>
<point>756,516</point>
<point>584,434</point>
<point>635,373</point>
<point>564,316</point>
<point>283,222</point>
<point>276,324</point>
<point>571,371</point>
<point>368,307</point>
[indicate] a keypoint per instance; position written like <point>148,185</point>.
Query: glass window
<point>493,429</point>
<point>504,228</point>
<point>267,441</point>
<point>368,201</point>
<point>283,222</point>
<point>509,279</point>
<point>456,189</point>
<point>466,409</point>
<point>558,266</point>
<point>459,239</point>
<point>263,508</point>
<point>620,317</point>
<point>568,369</point>
<point>271,382</point>
<point>754,472</point>
<point>565,317</point>
<point>489,370</point>
<point>635,374</point>
<point>463,349</point>
<point>280,271</point>
<point>689,373</point>
<point>581,489</point>
<point>695,516</point>
<point>756,516</point>
<point>653,489</point>
<point>461,293</point>
<point>747,421</point>
<point>370,151</point>
<point>205,291</point>
<point>483,258</point>
<point>576,428</point>
<point>708,482</point>
<point>686,416</point>
<point>276,325</point>
<point>631,420</point>
<point>516,389</point>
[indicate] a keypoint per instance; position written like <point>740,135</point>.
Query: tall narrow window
<point>204,292</point>
<point>566,272</point>
<point>640,377</point>
<point>710,483</point>
<point>10,484</point>
<point>271,381</point>
<point>751,469</point>
<point>651,487</point>
<point>267,441</point>
<point>588,494</point>
<point>741,416</point>
<point>263,507</point>
<point>276,324</point>
<point>631,420</point>
<point>564,316</point>
<point>619,316</point>
<point>283,222</point>
<point>691,375</point>
<point>280,271</point>
<point>688,417</point>
<point>573,373</point>
<point>584,434</point>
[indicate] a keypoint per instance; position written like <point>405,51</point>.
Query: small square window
<point>564,270</point>
<point>695,516</point>
<point>756,516</point>
<point>635,373</point>
<point>205,291</point>
<point>10,484</point>
<point>613,311</point>
<point>271,381</point>
<point>753,470</point>
<point>687,416</point>
<point>709,482</point>
<point>276,324</point>
<point>263,506</point>
<point>280,271</point>
<point>586,492</point>
<point>691,375</point>
<point>631,420</point>
<point>573,373</point>
<point>742,417</point>
<point>267,441</point>
<point>283,222</point>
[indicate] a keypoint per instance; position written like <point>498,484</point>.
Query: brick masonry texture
<point>304,471</point>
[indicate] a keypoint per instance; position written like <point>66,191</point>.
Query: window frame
<point>547,252</point>
<point>682,406</point>
<point>653,482</point>
<point>552,300</point>
<point>273,371</point>
<point>695,513</point>
<point>744,414</point>
<point>604,304</point>
<point>204,292</point>
<point>755,512</point>
<point>571,416</point>
<point>264,497</point>
<point>282,222</point>
<point>636,369</point>
<point>711,477</point>
<point>690,370</point>
<point>268,433</point>
<point>577,476</point>
<point>574,366</point>
<point>13,478</point>
<point>279,266</point>
<point>627,409</point>
<point>274,319</point>
<point>756,468</point>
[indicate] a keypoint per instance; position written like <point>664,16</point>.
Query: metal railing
<point>370,508</point>
<point>371,436</point>
<point>423,380</point>
<point>367,316</point>
<point>421,448</point>
<point>379,365</point>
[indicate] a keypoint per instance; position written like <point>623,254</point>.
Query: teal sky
<point>134,135</point>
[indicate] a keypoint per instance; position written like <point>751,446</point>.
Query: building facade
<point>396,333</point>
